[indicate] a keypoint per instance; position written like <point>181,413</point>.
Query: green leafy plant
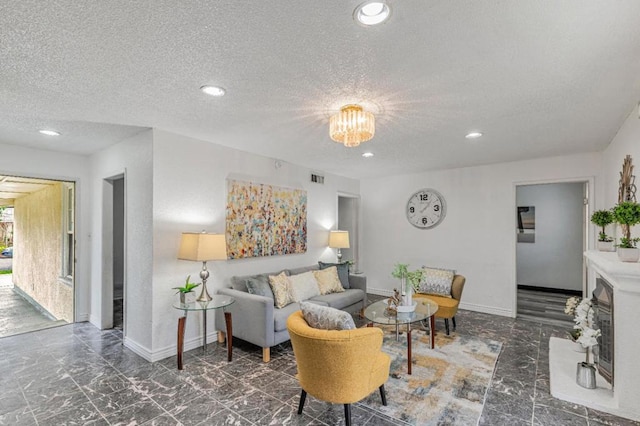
<point>627,214</point>
<point>602,218</point>
<point>187,288</point>
<point>400,270</point>
<point>415,277</point>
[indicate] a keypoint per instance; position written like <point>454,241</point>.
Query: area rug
<point>448,384</point>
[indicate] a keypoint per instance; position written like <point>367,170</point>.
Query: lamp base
<point>204,294</point>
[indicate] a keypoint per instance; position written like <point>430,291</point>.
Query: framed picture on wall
<point>526,224</point>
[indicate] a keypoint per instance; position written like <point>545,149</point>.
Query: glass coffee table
<point>425,309</point>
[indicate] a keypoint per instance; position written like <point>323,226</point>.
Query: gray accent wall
<point>555,259</point>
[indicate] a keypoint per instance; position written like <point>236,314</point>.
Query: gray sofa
<point>256,319</point>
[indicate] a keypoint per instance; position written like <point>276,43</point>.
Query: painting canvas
<point>265,220</point>
<point>527,224</point>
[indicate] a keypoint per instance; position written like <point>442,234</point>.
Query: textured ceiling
<point>538,78</point>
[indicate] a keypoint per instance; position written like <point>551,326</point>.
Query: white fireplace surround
<point>624,399</point>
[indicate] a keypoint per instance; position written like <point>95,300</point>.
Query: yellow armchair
<point>338,366</point>
<point>448,306</point>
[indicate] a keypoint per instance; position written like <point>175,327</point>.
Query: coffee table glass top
<point>216,302</point>
<point>377,312</point>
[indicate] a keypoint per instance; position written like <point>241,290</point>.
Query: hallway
<point>18,315</point>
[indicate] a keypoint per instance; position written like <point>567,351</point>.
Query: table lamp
<point>339,240</point>
<point>201,247</point>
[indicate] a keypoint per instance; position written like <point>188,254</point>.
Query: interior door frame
<point>355,239</point>
<point>588,238</point>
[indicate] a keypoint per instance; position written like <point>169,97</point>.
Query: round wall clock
<point>426,208</point>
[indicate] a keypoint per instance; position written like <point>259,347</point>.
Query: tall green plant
<point>627,214</point>
<point>602,218</point>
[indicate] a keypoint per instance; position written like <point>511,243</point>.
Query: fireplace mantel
<point>623,400</point>
<point>625,276</point>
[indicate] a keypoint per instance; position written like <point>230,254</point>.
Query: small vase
<point>586,375</point>
<point>606,246</point>
<point>628,254</point>
<point>183,297</point>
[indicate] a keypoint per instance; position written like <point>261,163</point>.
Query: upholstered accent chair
<point>338,366</point>
<point>448,306</point>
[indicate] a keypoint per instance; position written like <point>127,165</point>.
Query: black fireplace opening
<point>603,319</point>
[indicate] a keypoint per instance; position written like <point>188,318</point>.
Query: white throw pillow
<point>304,286</point>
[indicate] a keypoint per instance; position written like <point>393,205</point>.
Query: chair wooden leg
<point>453,320</point>
<point>347,414</point>
<point>303,398</point>
<point>383,395</point>
<point>446,325</point>
<point>266,354</point>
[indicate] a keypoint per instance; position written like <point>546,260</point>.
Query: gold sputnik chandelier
<point>352,126</point>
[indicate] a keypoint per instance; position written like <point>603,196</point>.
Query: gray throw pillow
<point>343,271</point>
<point>326,318</point>
<point>259,284</point>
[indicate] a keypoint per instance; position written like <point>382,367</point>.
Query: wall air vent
<point>317,179</point>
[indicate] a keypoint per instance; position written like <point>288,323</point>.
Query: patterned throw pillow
<point>326,318</point>
<point>343,271</point>
<point>436,281</point>
<point>328,281</point>
<point>259,285</point>
<point>304,286</point>
<point>280,286</point>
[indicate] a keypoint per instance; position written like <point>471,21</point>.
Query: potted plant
<point>602,218</point>
<point>184,290</point>
<point>627,214</point>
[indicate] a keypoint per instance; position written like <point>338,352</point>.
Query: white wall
<point>554,260</point>
<point>189,195</point>
<point>477,237</point>
<point>627,141</point>
<point>20,161</point>
<point>133,157</point>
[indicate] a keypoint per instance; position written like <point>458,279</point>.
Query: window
<point>68,232</point>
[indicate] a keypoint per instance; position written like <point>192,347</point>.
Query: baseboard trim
<point>138,349</point>
<point>550,290</point>
<point>192,343</point>
<point>84,317</point>
<point>380,291</point>
<point>95,321</point>
<point>487,309</point>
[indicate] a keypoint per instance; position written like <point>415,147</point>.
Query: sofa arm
<point>251,316</point>
<point>360,282</point>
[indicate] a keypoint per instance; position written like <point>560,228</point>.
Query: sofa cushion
<point>343,271</point>
<point>436,281</point>
<point>281,287</point>
<point>304,286</point>
<point>259,284</point>
<point>341,300</point>
<point>326,318</point>
<point>328,281</point>
<point>280,316</point>
<point>240,282</point>
<point>296,271</point>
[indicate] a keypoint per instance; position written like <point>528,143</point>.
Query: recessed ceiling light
<point>213,90</point>
<point>473,135</point>
<point>367,154</point>
<point>372,12</point>
<point>49,132</point>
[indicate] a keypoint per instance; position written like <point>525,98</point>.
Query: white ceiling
<point>539,78</point>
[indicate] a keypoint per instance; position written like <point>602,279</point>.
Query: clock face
<point>426,209</point>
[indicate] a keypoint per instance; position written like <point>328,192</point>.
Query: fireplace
<point>603,318</point>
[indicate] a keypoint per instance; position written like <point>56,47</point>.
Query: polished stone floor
<point>78,375</point>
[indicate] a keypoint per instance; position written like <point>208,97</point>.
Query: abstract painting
<point>527,224</point>
<point>265,220</point>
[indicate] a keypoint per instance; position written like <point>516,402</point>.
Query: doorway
<point>348,215</point>
<point>113,253</point>
<point>551,237</point>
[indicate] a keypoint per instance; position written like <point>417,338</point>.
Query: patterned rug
<point>447,385</point>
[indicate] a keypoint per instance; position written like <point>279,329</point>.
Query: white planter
<point>606,246</point>
<point>628,254</point>
<point>577,347</point>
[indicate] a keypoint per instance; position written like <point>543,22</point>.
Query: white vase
<point>577,347</point>
<point>606,246</point>
<point>628,254</point>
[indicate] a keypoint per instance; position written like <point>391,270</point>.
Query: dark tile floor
<point>78,375</point>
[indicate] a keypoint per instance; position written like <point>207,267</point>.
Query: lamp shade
<point>339,239</point>
<point>202,247</point>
